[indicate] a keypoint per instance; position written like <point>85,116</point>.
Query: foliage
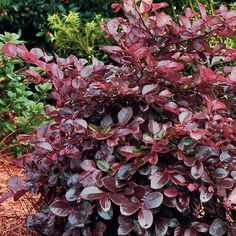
<point>29,17</point>
<point>71,36</point>
<point>21,110</point>
<point>146,147</point>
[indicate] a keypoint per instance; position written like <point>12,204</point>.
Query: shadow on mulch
<point>13,214</point>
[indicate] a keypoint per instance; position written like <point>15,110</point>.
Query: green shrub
<point>70,35</point>
<point>21,110</point>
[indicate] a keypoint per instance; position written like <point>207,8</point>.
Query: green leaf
<point>103,165</point>
<point>187,141</point>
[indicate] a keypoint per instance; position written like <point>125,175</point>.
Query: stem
<point>191,5</point>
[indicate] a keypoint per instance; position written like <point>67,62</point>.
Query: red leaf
<point>153,127</point>
<point>145,218</point>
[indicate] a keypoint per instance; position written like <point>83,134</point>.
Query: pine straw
<point>13,214</point>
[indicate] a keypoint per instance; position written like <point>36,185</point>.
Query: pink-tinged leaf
<point>125,227</point>
<point>116,6</point>
<point>91,193</point>
<point>117,198</point>
<point>162,19</point>
<point>129,151</point>
<point>205,195</point>
<point>60,208</point>
<point>171,192</point>
<point>145,6</point>
<point>154,127</point>
<point>112,26</point>
<point>202,10</point>
<point>232,196</point>
<point>185,116</point>
<point>172,107</point>
<point>112,49</point>
<point>124,115</point>
<point>105,203</point>
<point>88,165</point>
<point>147,89</point>
<point>178,179</point>
<point>16,184</point>
<point>138,50</point>
<point>233,74</point>
<point>197,170</point>
<point>201,227</point>
<point>217,227</point>
<point>10,49</point>
<point>216,105</point>
<point>153,200</point>
<point>128,208</point>
<point>219,173</point>
<point>54,69</point>
<point>185,22</point>
<point>156,6</point>
<point>198,134</point>
<point>145,218</point>
<point>44,145</point>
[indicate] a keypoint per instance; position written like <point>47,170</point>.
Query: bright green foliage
<point>70,36</point>
<point>21,110</point>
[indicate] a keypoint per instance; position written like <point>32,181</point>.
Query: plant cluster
<point>71,36</point>
<point>21,109</point>
<point>146,147</point>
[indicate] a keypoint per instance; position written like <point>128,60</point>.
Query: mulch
<point>13,214</point>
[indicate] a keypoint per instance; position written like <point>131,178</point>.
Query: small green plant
<point>71,36</point>
<point>21,110</point>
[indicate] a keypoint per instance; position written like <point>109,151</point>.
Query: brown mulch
<point>13,214</point>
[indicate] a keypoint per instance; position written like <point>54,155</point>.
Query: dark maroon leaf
<point>153,200</point>
<point>105,203</point>
<point>201,227</point>
<point>145,218</point>
<point>60,208</point>
<point>128,208</point>
<point>109,183</point>
<point>117,198</point>
<point>161,227</point>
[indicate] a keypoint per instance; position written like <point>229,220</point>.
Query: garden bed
<point>13,214</point>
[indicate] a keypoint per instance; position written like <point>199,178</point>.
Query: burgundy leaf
<point>205,195</point>
<point>60,208</point>
<point>197,170</point>
<point>171,192</point>
<point>105,203</point>
<point>128,208</point>
<point>91,193</point>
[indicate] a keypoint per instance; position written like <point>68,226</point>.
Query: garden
<point>118,118</point>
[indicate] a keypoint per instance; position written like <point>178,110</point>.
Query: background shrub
<point>21,109</point>
<point>71,36</point>
<point>144,147</point>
